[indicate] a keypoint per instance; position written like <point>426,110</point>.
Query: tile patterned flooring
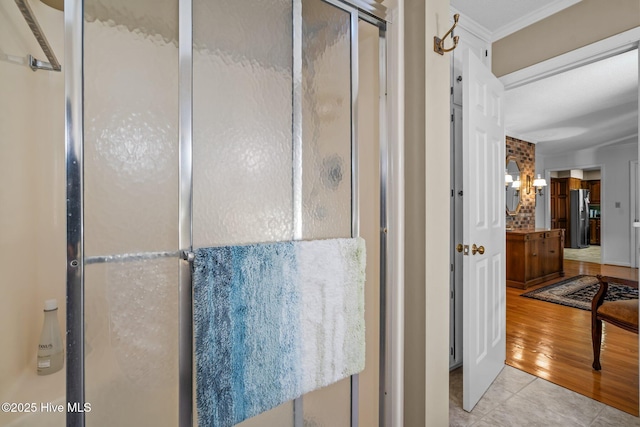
<point>519,399</point>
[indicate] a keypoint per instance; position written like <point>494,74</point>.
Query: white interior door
<point>484,333</point>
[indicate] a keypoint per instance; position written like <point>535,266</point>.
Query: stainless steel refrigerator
<point>579,212</point>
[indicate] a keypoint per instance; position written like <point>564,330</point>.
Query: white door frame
<point>394,406</point>
<point>633,209</point>
<point>594,52</point>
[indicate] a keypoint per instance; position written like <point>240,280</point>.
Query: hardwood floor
<point>553,342</point>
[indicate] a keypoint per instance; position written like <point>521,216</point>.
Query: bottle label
<point>44,363</point>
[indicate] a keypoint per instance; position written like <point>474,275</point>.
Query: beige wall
<point>32,211</point>
<point>414,374</point>
<point>437,218</point>
<point>577,26</point>
<point>427,216</point>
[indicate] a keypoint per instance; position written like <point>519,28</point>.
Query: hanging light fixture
<point>508,179</point>
<point>539,183</point>
<point>516,184</point>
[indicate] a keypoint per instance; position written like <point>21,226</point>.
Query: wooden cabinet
<point>594,191</point>
<point>574,183</point>
<point>554,188</point>
<point>560,203</point>
<point>534,256</point>
<point>552,253</point>
<point>594,231</point>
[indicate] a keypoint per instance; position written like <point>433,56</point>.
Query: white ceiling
<point>590,106</point>
<point>594,105</point>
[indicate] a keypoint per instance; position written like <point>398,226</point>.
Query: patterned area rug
<point>578,292</point>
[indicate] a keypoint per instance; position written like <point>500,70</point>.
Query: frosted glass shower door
<point>242,121</point>
<point>242,118</point>
<point>270,121</point>
<point>131,207</point>
<point>272,136</point>
<point>327,192</point>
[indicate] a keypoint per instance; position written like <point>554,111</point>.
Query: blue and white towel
<point>274,321</point>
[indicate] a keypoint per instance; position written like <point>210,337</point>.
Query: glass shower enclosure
<point>202,123</point>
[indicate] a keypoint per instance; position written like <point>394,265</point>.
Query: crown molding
<point>532,18</point>
<point>516,25</point>
<point>470,25</point>
<point>625,140</point>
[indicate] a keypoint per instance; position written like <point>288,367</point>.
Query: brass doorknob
<point>475,249</point>
<point>459,247</point>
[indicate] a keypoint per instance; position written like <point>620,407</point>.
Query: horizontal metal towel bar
<point>185,255</point>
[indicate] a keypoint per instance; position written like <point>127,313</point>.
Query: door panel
<point>326,160</point>
<point>130,206</point>
<point>483,225</point>
<point>242,120</point>
<point>244,178</point>
<point>326,121</point>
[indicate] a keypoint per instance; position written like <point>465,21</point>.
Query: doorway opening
<point>600,172</point>
<point>548,161</point>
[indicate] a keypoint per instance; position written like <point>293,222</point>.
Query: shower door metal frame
<point>74,142</point>
<point>356,14</point>
<point>185,212</point>
<point>298,405</point>
<point>74,151</point>
<point>384,373</point>
<point>76,260</point>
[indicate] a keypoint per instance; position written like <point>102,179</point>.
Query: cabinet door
<point>553,193</point>
<point>563,186</point>
<point>516,257</point>
<point>575,183</point>
<point>534,262</point>
<point>562,200</point>
<point>543,256</point>
<point>553,248</point>
<point>594,189</point>
<point>562,214</point>
<point>554,221</point>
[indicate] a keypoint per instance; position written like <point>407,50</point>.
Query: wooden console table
<point>534,256</point>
